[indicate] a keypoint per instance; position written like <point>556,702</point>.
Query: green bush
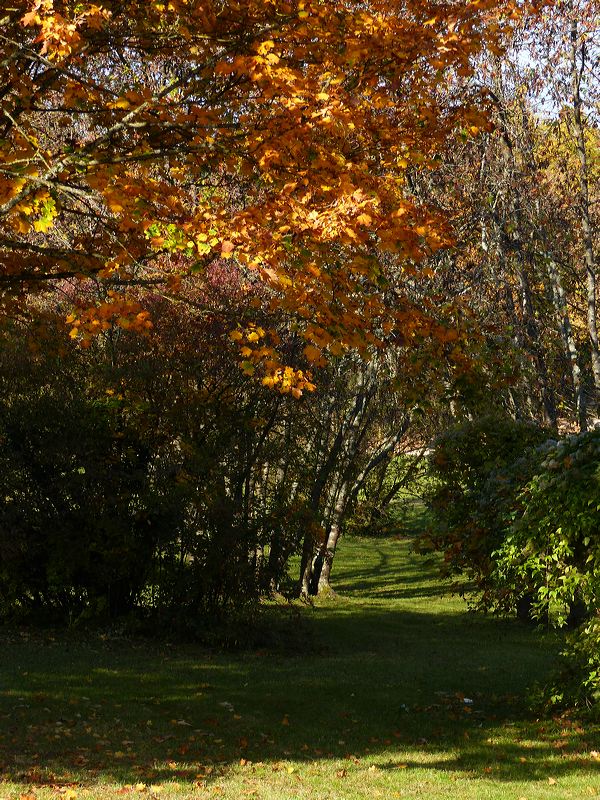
<point>518,515</point>
<point>553,540</point>
<point>477,469</point>
<point>553,545</point>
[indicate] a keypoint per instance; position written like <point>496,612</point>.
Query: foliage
<point>520,520</point>
<point>577,683</point>
<point>81,517</point>
<point>142,143</point>
<point>477,469</point>
<point>112,504</point>
<point>552,546</point>
<point>552,540</point>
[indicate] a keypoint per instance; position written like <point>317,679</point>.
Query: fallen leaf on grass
<point>341,773</point>
<point>552,781</point>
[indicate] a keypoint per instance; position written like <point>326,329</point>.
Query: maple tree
<point>139,142</point>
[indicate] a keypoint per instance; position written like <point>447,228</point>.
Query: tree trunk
<point>333,535</point>
<point>566,331</point>
<point>584,198</point>
<point>341,453</point>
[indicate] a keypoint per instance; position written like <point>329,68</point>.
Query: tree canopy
<point>141,142</point>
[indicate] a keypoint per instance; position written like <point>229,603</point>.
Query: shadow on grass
<point>395,676</point>
<point>406,686</point>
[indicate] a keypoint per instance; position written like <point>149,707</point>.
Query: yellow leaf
<point>264,47</point>
<point>312,353</point>
<point>42,225</point>
<point>121,102</point>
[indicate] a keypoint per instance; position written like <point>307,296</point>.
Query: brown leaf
<point>227,248</point>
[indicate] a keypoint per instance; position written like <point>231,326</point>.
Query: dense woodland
<point>267,267</point>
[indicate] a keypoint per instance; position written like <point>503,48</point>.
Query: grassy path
<point>399,694</point>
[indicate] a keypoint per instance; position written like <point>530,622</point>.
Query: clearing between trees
<point>390,689</point>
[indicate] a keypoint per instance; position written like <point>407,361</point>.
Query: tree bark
<point>566,330</point>
<point>576,48</point>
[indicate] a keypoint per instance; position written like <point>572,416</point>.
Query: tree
<point>142,141</point>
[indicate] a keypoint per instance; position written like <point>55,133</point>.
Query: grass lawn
<point>400,694</point>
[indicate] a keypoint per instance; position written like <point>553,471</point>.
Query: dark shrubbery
<point>82,517</point>
<point>122,496</point>
<point>477,469</point>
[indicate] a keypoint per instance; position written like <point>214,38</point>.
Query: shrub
<point>477,469</point>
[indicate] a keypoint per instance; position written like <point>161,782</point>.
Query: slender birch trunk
<point>578,49</point>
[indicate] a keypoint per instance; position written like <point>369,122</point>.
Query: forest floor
<point>393,690</point>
